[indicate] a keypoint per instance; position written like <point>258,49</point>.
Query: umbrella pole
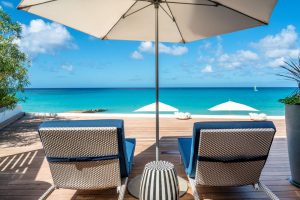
<point>156,5</point>
<point>135,183</point>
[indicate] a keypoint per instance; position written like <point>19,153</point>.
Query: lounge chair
<point>87,154</point>
<point>227,154</point>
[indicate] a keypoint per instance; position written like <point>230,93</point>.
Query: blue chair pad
<point>185,145</point>
<point>130,146</point>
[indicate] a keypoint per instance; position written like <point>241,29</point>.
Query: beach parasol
<point>152,108</point>
<point>232,106</point>
<point>154,20</point>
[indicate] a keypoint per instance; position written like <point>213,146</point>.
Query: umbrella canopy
<point>179,20</point>
<point>158,20</point>
<point>152,108</point>
<point>232,106</point>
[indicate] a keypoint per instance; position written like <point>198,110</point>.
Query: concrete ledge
<point>8,116</point>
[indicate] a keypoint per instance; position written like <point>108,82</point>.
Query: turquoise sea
<point>193,100</point>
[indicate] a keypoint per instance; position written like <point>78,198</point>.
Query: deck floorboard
<point>25,175</point>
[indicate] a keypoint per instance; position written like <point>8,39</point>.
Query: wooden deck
<point>24,172</point>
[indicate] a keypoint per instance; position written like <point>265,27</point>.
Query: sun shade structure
<point>158,20</point>
<point>152,108</point>
<point>179,20</point>
<point>232,106</point>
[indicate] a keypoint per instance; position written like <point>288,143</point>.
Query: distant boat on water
<point>255,89</point>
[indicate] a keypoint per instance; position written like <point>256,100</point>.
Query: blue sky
<point>62,57</point>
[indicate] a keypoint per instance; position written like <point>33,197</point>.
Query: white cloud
<point>209,52</point>
<point>224,58</point>
<point>237,59</point>
<point>207,69</point>
<point>40,37</point>
<point>148,47</point>
<point>137,55</point>
<point>173,50</point>
<point>7,4</point>
<point>275,53</point>
<point>67,67</point>
<point>269,51</point>
<point>285,39</point>
<point>280,46</point>
<point>277,62</point>
<point>247,55</point>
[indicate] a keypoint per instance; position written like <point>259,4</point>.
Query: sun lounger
<point>87,154</point>
<point>227,154</point>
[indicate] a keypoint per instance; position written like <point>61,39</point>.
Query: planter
<point>8,116</point>
<point>292,119</point>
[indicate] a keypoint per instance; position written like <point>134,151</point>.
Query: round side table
<point>159,181</point>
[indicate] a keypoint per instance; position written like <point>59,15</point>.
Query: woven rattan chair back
<point>232,157</point>
<point>81,157</point>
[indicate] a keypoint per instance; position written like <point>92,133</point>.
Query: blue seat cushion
<point>184,145</point>
<point>130,146</point>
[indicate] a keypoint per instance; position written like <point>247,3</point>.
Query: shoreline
<point>132,115</point>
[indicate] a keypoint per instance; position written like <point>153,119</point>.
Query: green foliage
<point>291,100</point>
<point>13,73</point>
<point>292,70</point>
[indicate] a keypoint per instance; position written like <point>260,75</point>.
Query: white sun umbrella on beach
<point>232,106</point>
<point>152,108</point>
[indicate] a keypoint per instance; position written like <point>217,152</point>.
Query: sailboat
<point>255,89</point>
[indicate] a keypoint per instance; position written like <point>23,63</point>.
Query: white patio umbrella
<point>158,20</point>
<point>232,106</point>
<point>152,108</point>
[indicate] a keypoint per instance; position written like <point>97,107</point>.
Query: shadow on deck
<point>18,173</point>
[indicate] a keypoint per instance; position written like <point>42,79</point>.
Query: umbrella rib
<point>126,15</point>
<point>175,2</point>
<point>167,13</point>
<point>232,9</point>
<point>195,4</point>
<point>36,4</point>
<point>174,20</point>
<point>122,17</point>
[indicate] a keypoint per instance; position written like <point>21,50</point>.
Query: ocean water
<point>193,100</point>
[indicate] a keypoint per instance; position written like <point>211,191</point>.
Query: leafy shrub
<point>13,73</point>
<point>291,100</point>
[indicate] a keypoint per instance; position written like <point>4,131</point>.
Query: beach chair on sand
<point>87,154</point>
<point>227,154</point>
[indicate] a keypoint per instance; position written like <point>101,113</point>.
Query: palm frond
<point>287,77</point>
<point>292,70</point>
<point>293,66</point>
